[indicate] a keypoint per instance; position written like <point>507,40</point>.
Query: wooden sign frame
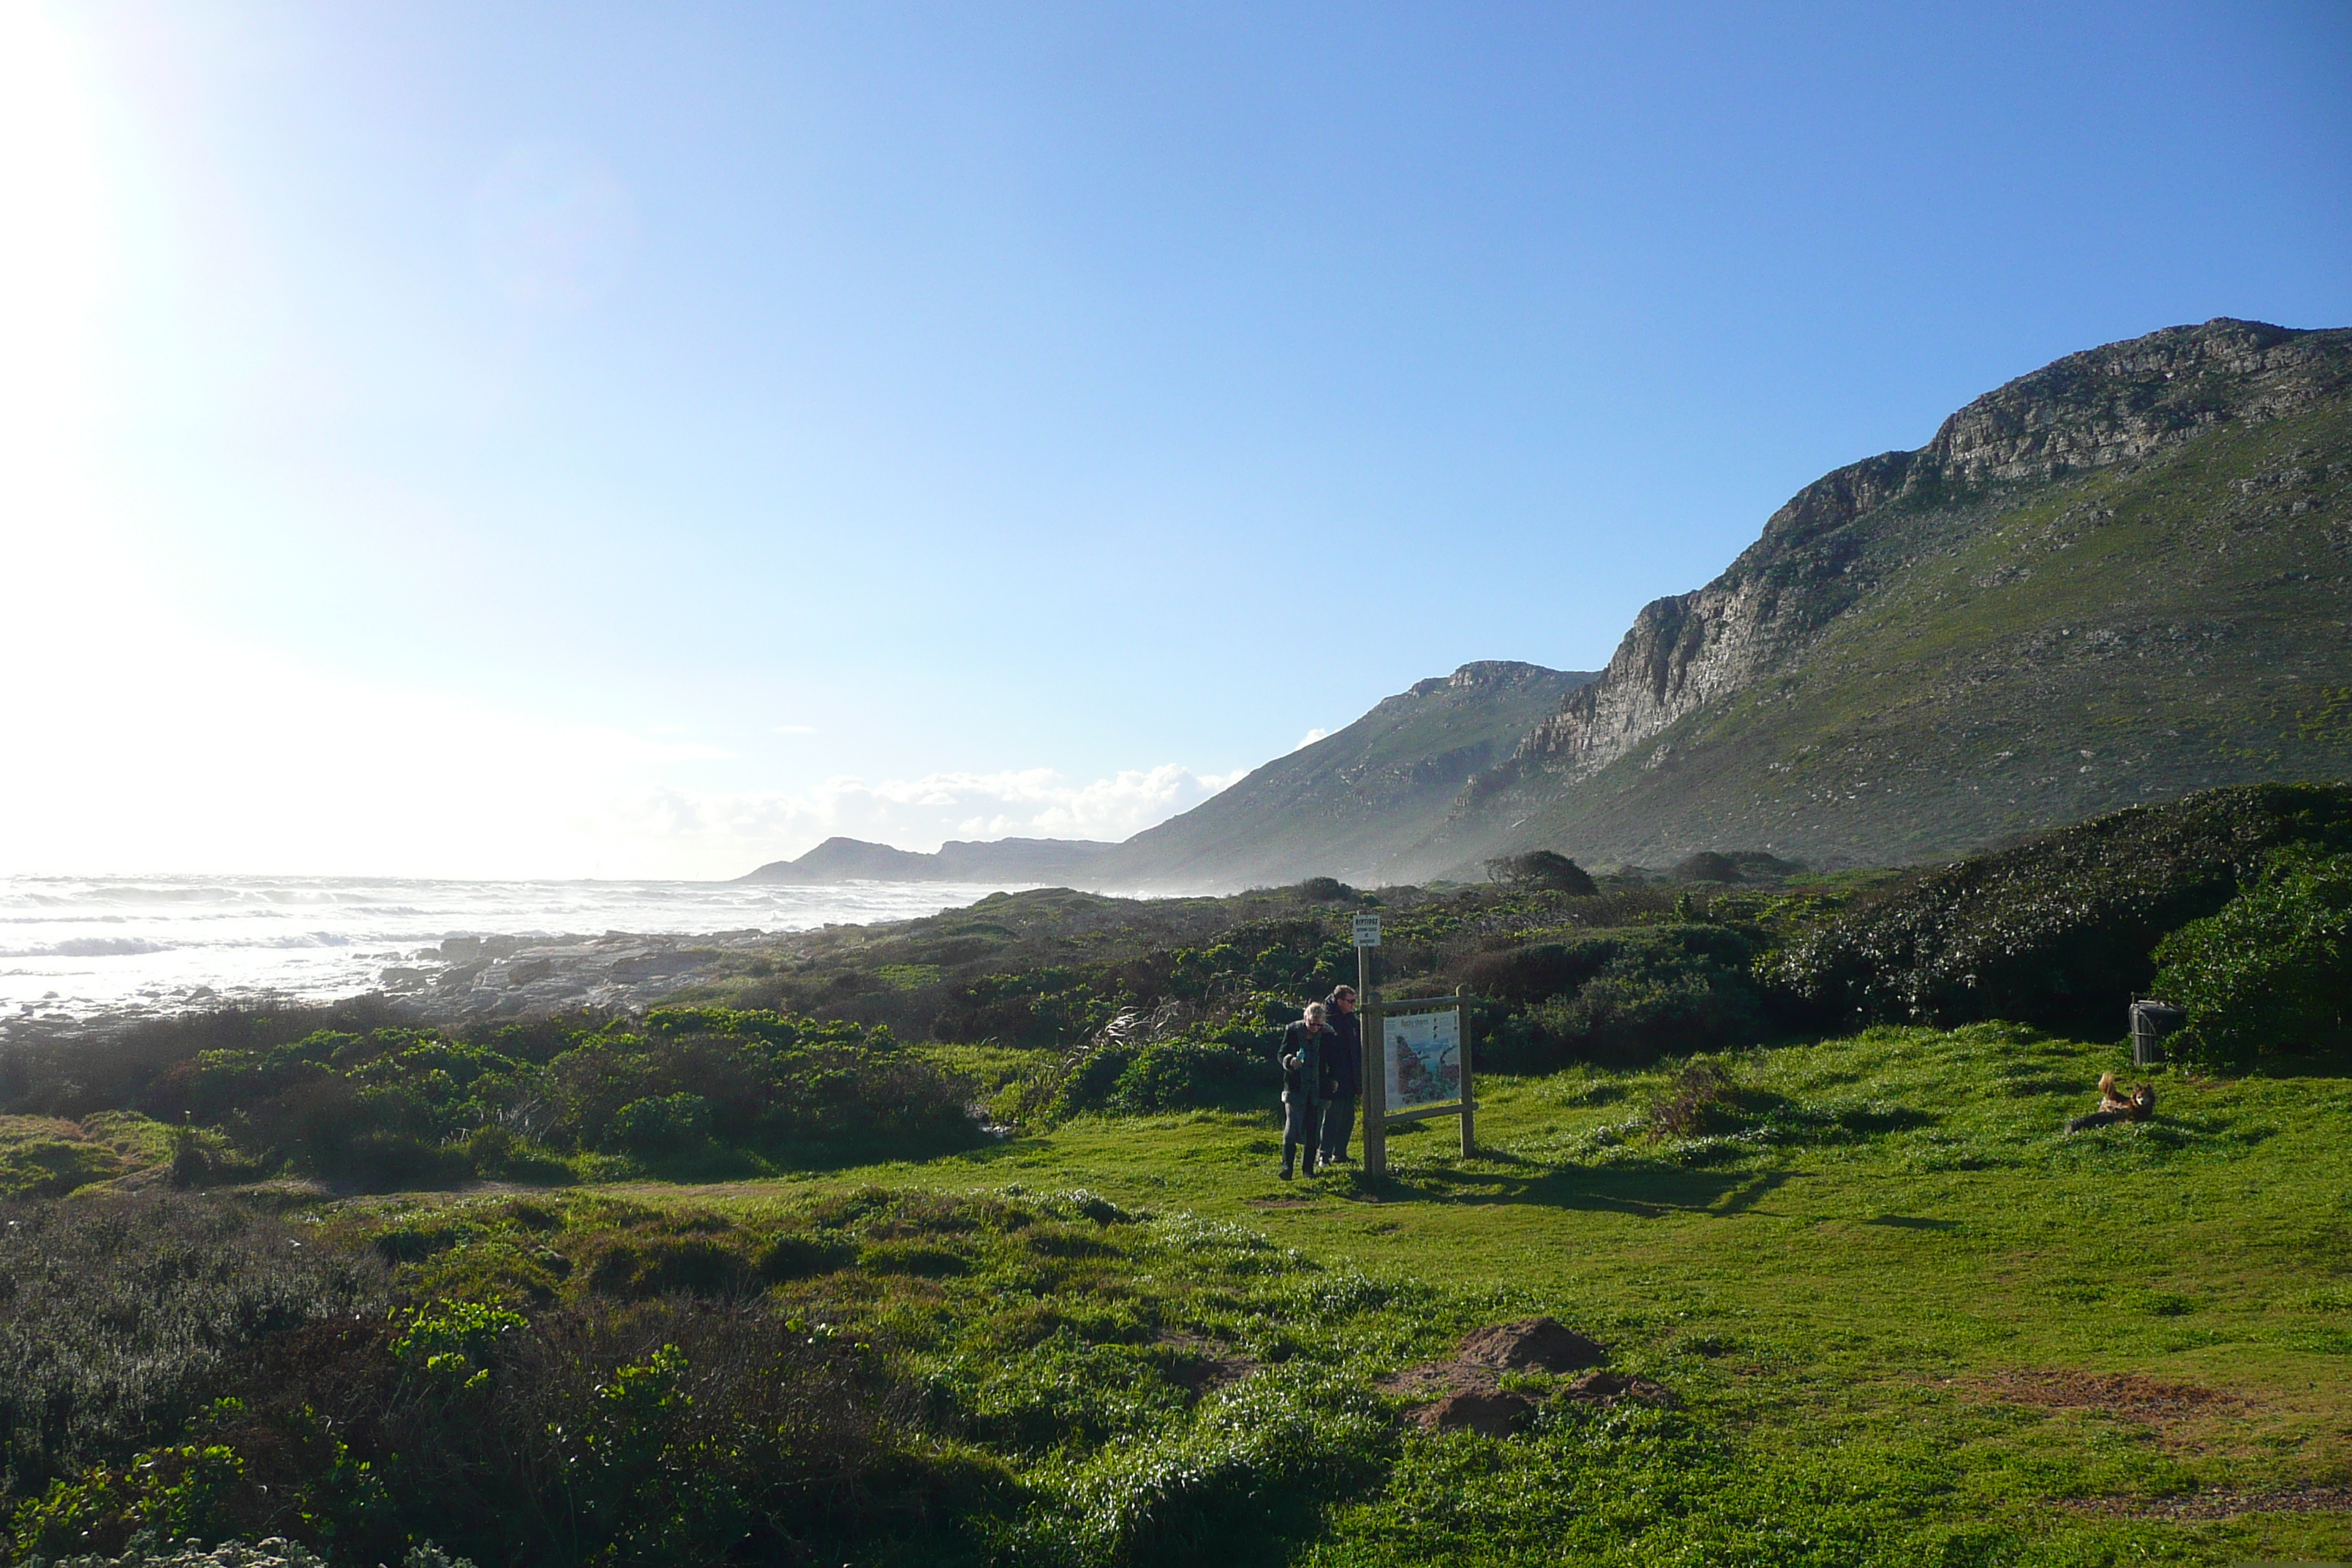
<point>1378,1118</point>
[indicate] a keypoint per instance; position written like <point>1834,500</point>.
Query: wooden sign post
<point>1427,1062</point>
<point>1367,1015</point>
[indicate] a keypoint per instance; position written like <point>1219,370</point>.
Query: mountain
<point>1346,804</point>
<point>2116,580</point>
<point>1007,860</point>
<point>1339,806</point>
<point>2122,578</point>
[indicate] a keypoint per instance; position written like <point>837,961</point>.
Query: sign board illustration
<point>1416,1064</point>
<point>1422,1057</point>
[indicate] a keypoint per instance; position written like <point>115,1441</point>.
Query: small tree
<point>2272,972</point>
<point>1541,868</point>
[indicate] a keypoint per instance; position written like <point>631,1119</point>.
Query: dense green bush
<point>395,1106</point>
<point>1189,1073</point>
<point>1542,868</point>
<point>671,1123</point>
<point>1620,996</point>
<point>2058,931</point>
<point>1230,1066</point>
<point>651,1433</point>
<point>1539,970</point>
<point>2271,973</point>
<point>789,1089</point>
<point>1048,1006</point>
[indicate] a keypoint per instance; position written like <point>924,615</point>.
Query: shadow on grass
<point>1757,1188</point>
<point>1651,1193</point>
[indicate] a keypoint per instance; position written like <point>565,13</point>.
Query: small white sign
<point>1368,931</point>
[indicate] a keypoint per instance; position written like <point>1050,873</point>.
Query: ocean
<point>78,947</point>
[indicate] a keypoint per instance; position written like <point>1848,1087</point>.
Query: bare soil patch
<point>1204,1364</point>
<point>2218,1504</point>
<point>2123,1394</point>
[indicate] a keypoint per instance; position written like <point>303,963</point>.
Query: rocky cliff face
<point>1824,549</point>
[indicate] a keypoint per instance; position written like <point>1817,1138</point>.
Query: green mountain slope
<point>2124,578</point>
<point>1345,805</point>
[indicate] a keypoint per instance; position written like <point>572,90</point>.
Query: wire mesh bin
<point>2151,1020</point>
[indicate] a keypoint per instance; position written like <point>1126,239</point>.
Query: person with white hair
<point>1302,1081</point>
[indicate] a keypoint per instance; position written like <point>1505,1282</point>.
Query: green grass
<point>1860,1270</point>
<point>42,1156</point>
<point>1834,1282</point>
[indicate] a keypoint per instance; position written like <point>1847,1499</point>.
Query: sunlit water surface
<point>75,946</point>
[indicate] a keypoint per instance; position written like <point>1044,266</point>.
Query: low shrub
<point>2269,973</point>
<point>1539,970</point>
<point>1703,1098</point>
<point>274,1552</point>
<point>116,1314</point>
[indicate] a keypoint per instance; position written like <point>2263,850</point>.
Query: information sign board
<point>1368,931</point>
<point>1421,1054</point>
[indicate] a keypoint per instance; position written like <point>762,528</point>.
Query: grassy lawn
<point>1909,1317</point>
<point>1898,1315</point>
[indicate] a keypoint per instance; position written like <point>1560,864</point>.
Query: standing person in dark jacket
<point>1302,1075</point>
<point>1343,1073</point>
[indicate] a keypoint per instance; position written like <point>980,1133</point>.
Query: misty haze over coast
<point>74,947</point>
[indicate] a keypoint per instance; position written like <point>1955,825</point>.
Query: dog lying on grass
<point>2116,1106</point>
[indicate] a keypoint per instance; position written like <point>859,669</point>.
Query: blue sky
<point>492,439</point>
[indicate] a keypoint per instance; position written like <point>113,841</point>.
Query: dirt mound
<point>2108,1393</point>
<point>1531,1345</point>
<point>1466,1393</point>
<point>1489,1412</point>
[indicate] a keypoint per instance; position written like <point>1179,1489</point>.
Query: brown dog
<point>2116,1106</point>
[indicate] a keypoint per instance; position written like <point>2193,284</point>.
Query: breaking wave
<point>74,947</point>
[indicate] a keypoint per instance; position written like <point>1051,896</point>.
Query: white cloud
<point>795,729</point>
<point>1309,739</point>
<point>142,743</point>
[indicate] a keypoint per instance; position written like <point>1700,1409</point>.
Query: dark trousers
<point>1339,1116</point>
<point>1301,1126</point>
